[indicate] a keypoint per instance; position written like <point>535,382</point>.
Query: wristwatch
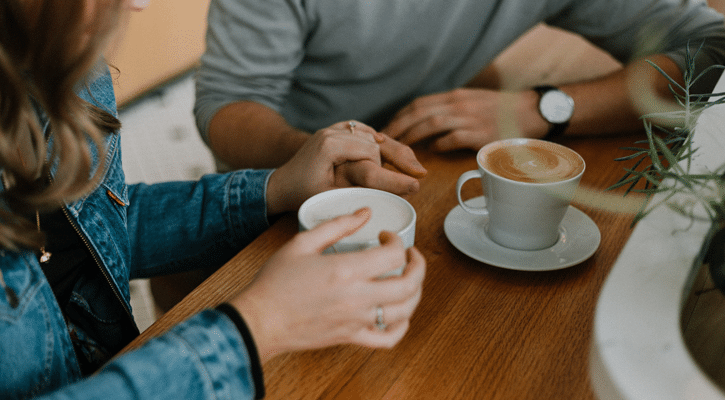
<point>556,107</point>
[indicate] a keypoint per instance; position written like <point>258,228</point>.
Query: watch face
<point>556,106</point>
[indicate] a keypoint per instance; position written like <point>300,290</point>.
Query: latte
<point>532,161</point>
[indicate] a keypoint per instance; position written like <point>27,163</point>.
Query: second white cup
<point>389,212</point>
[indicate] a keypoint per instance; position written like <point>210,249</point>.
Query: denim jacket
<point>134,231</point>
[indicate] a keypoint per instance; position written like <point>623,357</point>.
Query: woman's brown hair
<point>47,48</point>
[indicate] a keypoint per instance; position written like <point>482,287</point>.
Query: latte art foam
<point>532,161</point>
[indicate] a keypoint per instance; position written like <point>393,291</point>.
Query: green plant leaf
<point>662,165</point>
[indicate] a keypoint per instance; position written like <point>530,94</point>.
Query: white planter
<point>638,351</point>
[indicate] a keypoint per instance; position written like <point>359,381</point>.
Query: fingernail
<point>420,170</point>
<point>379,137</point>
<point>385,237</point>
<point>363,212</point>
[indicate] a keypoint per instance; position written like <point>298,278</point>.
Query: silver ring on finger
<point>352,126</point>
<point>380,319</point>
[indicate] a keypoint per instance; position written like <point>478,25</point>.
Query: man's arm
<point>660,30</point>
<point>472,117</point>
<point>246,134</point>
<point>612,104</point>
<point>250,135</point>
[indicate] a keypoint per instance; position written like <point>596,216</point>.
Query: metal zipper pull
<point>9,292</point>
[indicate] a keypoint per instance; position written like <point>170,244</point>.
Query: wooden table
<point>480,332</point>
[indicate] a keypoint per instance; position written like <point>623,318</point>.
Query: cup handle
<point>466,176</point>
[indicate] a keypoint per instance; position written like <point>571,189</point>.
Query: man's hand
<point>459,119</point>
<point>402,182</point>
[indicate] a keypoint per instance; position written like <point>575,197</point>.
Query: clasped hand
<point>336,157</point>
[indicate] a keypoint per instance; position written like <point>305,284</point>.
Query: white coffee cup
<point>528,185</point>
<point>389,212</point>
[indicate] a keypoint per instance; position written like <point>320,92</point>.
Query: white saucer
<point>579,239</point>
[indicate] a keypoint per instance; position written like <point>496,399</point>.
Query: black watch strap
<point>555,130</point>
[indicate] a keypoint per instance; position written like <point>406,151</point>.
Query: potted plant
<point>675,311</point>
<point>663,164</point>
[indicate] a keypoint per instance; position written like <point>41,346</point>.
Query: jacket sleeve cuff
<point>256,366</point>
<point>246,207</point>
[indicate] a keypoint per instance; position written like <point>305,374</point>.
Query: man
<point>276,70</point>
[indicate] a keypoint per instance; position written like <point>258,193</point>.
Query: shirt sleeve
<point>252,50</point>
<point>204,357</point>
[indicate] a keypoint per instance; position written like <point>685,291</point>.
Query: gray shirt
<point>318,62</point>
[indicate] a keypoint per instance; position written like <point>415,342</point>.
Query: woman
<point>72,234</point>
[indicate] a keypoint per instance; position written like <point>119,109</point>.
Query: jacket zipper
<point>97,260</point>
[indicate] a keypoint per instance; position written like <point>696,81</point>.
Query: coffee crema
<point>532,161</point>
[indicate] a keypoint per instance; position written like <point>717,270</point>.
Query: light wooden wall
<point>158,43</point>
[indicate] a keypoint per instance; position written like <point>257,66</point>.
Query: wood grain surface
<point>480,332</point>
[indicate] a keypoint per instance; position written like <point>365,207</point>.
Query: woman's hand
<point>339,156</point>
<point>301,299</point>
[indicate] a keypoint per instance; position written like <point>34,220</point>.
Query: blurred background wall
<point>158,44</point>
